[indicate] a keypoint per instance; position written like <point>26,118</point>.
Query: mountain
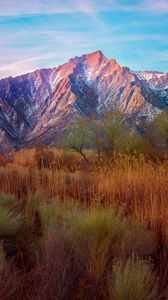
<point>35,108</point>
<point>157,82</point>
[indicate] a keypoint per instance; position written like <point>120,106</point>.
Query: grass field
<point>76,230</point>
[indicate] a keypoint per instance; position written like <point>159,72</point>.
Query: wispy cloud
<point>17,68</point>
<point>20,59</point>
<point>126,31</point>
<point>21,7</point>
<point>157,6</point>
<point>63,44</point>
<point>13,8</point>
<point>26,65</point>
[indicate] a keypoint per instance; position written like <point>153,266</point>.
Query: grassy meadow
<point>76,229</point>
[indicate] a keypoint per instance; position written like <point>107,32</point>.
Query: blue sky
<point>45,33</point>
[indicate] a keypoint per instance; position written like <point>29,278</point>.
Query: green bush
<point>133,280</point>
<point>135,144</point>
<point>19,233</point>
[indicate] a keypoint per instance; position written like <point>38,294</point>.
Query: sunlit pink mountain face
<point>36,108</point>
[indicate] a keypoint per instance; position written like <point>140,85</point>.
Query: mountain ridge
<point>78,57</point>
<point>35,108</point>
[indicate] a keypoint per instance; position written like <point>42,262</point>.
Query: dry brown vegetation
<point>78,230</point>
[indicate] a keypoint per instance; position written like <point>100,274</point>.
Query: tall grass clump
<point>19,234</point>
<point>44,157</point>
<point>133,279</point>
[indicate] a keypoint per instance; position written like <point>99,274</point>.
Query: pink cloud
<point>22,7</point>
<point>158,6</point>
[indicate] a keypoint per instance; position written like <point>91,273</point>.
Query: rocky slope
<point>35,108</point>
<point>157,82</point>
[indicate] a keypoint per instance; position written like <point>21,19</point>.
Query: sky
<point>45,33</point>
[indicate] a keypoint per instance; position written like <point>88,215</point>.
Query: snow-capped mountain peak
<point>36,108</point>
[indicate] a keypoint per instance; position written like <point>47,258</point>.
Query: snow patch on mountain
<point>148,75</point>
<point>37,107</point>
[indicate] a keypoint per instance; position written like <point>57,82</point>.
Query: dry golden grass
<point>137,187</point>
